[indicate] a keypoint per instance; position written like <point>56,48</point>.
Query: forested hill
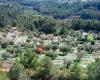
<point>61,9</point>
<point>86,10</point>
<point>31,15</point>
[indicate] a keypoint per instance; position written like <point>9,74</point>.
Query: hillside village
<point>61,49</point>
<point>49,39</point>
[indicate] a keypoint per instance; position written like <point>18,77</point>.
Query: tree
<point>76,73</point>
<point>90,37</point>
<point>51,55</point>
<point>46,25</point>
<point>64,75</point>
<point>7,55</point>
<point>93,72</point>
<point>47,47</point>
<point>17,72</point>
<point>4,45</point>
<point>86,25</point>
<point>3,76</point>
<point>90,72</point>
<point>29,59</point>
<point>89,48</point>
<point>44,70</point>
<point>54,47</point>
<point>65,49</point>
<point>63,31</point>
<point>97,71</point>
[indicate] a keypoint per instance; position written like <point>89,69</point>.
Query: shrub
<point>51,55</point>
<point>4,45</point>
<point>54,47</point>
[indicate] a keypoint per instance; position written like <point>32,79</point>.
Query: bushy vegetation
<point>86,25</point>
<point>46,70</point>
<point>14,17</point>
<point>51,48</point>
<point>86,10</point>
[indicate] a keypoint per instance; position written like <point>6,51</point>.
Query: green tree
<point>65,49</point>
<point>29,59</point>
<point>51,55</point>
<point>17,72</point>
<point>44,70</point>
<point>54,47</point>
<point>3,76</point>
<point>76,73</point>
<point>46,25</point>
<point>93,72</point>
<point>89,48</point>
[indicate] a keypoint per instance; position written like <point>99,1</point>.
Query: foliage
<point>93,71</point>
<point>89,48</point>
<point>44,70</point>
<point>46,25</point>
<point>77,72</point>
<point>86,25</point>
<point>3,76</point>
<point>51,55</point>
<point>29,59</point>
<point>65,49</point>
<point>17,72</point>
<point>86,10</point>
<point>4,45</point>
<point>90,37</point>
<point>28,65</point>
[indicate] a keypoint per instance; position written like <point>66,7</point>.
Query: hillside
<point>66,8</point>
<point>61,9</point>
<point>58,9</point>
<point>49,39</point>
<point>29,17</point>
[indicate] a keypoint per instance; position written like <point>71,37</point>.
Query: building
<point>40,49</point>
<point>5,66</point>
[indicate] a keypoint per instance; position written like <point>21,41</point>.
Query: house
<point>9,36</point>
<point>40,49</point>
<point>20,40</point>
<point>34,38</point>
<point>55,39</point>
<point>43,36</point>
<point>6,66</point>
<point>49,37</point>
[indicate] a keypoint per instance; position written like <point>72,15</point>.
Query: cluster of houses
<point>48,38</point>
<point>19,38</point>
<point>14,36</point>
